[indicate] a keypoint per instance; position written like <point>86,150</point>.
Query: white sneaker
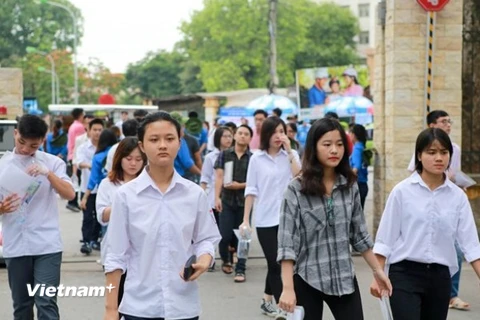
<point>281,315</point>
<point>268,309</point>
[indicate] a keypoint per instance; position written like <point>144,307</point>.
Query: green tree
<point>229,41</point>
<point>26,23</point>
<point>98,80</point>
<point>157,75</point>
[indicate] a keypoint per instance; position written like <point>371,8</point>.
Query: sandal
<point>227,268</point>
<point>459,304</point>
<point>239,277</point>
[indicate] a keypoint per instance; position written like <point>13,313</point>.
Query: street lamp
<point>54,76</point>
<point>75,69</point>
<point>52,62</point>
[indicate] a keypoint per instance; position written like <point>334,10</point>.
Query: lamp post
<point>52,62</point>
<point>54,76</point>
<point>74,18</point>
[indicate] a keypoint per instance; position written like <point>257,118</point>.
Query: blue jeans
<point>456,276</point>
<point>33,270</point>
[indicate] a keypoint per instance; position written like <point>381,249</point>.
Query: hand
<point>375,289</point>
<point>288,300</point>
<point>384,287</point>
<point>202,265</point>
<point>286,143</point>
<point>218,205</point>
<point>111,314</point>
<point>243,225</point>
<point>37,169</point>
<point>83,203</point>
<point>232,186</point>
<point>9,204</point>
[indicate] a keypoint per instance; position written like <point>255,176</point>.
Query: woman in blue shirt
<point>56,142</point>
<point>357,162</point>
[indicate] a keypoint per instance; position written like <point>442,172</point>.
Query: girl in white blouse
<point>269,172</point>
<point>425,214</point>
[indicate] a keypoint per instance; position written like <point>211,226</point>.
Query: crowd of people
<point>163,189</point>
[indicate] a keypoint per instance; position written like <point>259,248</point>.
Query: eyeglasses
<point>446,121</point>
<point>330,212</point>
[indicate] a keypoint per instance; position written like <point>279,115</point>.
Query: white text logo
<point>67,291</point>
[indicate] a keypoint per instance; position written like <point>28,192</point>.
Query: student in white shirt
<point>424,216</point>
<point>83,160</point>
<point>440,119</point>
<point>32,245</point>
<point>128,163</point>
<point>160,219</point>
<point>222,140</point>
<point>269,172</point>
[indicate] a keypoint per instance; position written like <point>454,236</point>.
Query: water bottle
<point>244,243</point>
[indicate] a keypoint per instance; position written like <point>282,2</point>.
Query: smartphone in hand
<point>188,269</point>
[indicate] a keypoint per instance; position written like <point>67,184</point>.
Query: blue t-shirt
<point>302,132</point>
<point>56,150</point>
<point>183,161</point>
<point>201,137</point>
<point>98,172</point>
<point>356,162</point>
<point>316,97</point>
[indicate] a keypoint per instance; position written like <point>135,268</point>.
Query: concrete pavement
<point>222,299</point>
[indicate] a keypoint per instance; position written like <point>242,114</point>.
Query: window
<point>364,37</point>
<point>364,10</point>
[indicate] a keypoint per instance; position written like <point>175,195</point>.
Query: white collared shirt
<point>105,194</point>
<point>455,161</point>
<point>39,232</point>
<point>159,231</point>
<point>422,225</point>
<point>267,180</point>
<point>208,175</point>
<point>85,154</point>
<point>110,155</point>
<point>78,142</point>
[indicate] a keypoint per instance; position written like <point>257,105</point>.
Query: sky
<point>119,32</point>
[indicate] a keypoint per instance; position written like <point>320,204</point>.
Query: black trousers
<point>420,291</point>
<point>347,307</point>
<point>230,218</point>
<point>363,190</point>
<point>269,243</point>
<point>90,226</point>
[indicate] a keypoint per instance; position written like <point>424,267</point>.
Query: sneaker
<point>95,245</point>
<point>86,249</point>
<point>268,309</point>
<point>73,208</point>
<point>282,315</point>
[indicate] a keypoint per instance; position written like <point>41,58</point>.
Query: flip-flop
<point>239,277</point>
<point>459,304</point>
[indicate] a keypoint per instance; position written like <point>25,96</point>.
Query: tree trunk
<point>471,97</point>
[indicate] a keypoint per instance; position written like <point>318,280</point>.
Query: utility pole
<point>272,26</point>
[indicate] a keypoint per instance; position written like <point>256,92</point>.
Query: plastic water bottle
<point>244,243</point>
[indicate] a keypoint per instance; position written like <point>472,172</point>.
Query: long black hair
<point>107,139</point>
<point>360,133</point>
<point>425,140</point>
<point>268,130</point>
<point>217,137</point>
<point>312,169</point>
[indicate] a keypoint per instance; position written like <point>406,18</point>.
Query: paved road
<point>222,299</point>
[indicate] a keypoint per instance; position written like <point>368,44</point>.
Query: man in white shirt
<point>211,134</point>
<point>83,160</point>
<point>124,117</point>
<point>129,129</point>
<point>440,119</point>
<point>32,244</point>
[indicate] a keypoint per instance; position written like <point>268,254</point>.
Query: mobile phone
<point>188,269</point>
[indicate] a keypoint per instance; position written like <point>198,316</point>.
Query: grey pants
<point>33,270</point>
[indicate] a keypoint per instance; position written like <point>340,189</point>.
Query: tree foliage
<point>229,40</point>
<point>27,23</point>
